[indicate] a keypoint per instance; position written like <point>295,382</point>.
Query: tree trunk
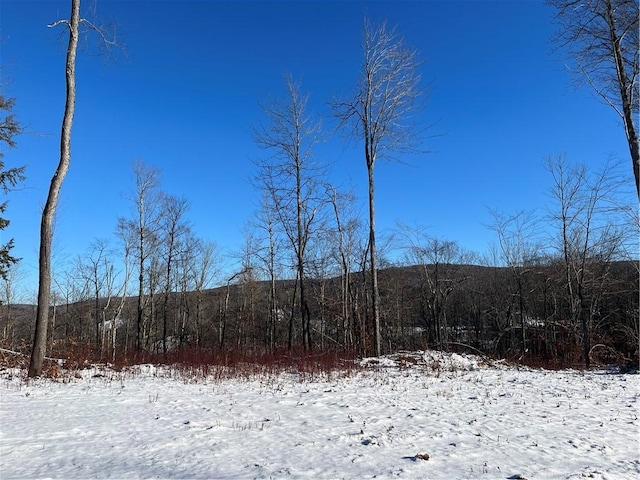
<point>141,299</point>
<point>167,293</point>
<point>223,319</point>
<point>523,326</point>
<point>292,315</point>
<point>375,293</point>
<point>302,237</point>
<point>273,313</point>
<point>625,96</point>
<point>48,213</point>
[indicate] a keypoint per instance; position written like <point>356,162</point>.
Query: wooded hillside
<point>522,314</point>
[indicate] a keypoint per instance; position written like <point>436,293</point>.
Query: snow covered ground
<point>417,416</point>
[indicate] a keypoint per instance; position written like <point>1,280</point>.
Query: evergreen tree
<point>9,128</point>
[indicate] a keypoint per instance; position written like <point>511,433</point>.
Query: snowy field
<point>418,416</point>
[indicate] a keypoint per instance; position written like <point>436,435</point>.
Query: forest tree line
<point>558,286</point>
<point>560,295</point>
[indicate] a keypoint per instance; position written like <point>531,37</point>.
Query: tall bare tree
<point>291,178</point>
<point>48,213</point>
<point>46,226</point>
<point>382,114</point>
<point>146,224</point>
<point>602,37</point>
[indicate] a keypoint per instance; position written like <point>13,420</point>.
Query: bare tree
<point>269,255</point>
<point>291,179</point>
<point>48,213</point>
<point>589,238</point>
<point>519,249</point>
<point>381,113</point>
<point>128,242</point>
<point>46,227</point>
<point>206,267</point>
<point>145,228</point>
<point>245,281</point>
<point>8,296</point>
<point>96,271</point>
<point>439,263</point>
<point>174,230</point>
<point>109,289</point>
<point>72,291</point>
<point>346,227</point>
<point>602,37</point>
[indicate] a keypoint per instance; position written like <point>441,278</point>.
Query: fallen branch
<point>19,354</point>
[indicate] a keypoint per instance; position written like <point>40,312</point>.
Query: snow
<point>422,415</point>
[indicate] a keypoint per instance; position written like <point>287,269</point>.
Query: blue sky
<point>187,92</point>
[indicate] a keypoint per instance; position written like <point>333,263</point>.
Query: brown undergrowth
<point>197,363</point>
